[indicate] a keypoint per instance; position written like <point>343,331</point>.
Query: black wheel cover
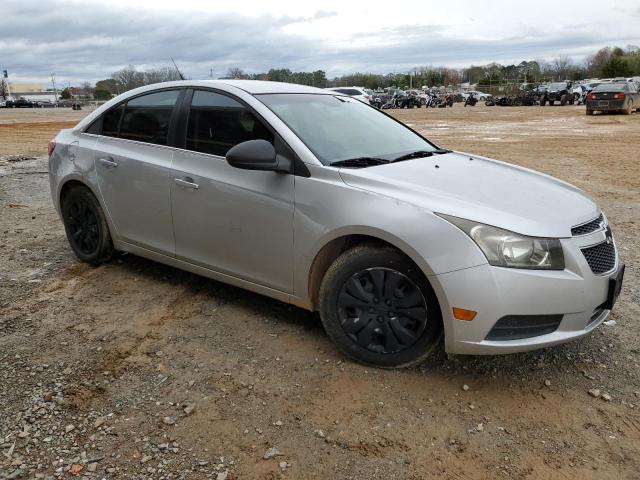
<point>382,310</point>
<point>84,228</point>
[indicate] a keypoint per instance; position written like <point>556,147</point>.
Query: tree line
<point>606,62</point>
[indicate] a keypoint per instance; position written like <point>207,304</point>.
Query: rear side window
<point>146,118</point>
<point>111,121</point>
<point>218,122</point>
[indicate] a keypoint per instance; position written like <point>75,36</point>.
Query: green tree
<point>617,66</point>
<point>108,84</point>
<point>65,94</point>
<point>100,94</point>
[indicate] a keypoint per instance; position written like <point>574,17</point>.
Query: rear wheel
<point>379,309</point>
<point>629,109</point>
<point>86,226</point>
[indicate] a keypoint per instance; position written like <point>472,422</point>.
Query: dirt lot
<point>137,370</point>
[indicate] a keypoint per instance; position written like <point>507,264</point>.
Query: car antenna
<point>177,69</point>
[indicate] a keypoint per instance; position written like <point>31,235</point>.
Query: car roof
<point>254,87</point>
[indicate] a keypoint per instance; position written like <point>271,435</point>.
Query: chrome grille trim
<point>589,227</point>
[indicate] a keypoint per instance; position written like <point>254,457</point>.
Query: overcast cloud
<point>89,41</point>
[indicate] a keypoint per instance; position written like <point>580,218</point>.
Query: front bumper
<point>575,293</point>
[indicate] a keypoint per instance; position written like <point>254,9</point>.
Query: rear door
<point>133,166</point>
<point>236,222</point>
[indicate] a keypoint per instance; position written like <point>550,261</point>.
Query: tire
<point>551,103</point>
<point>629,109</point>
<point>481,99</point>
<point>589,112</point>
<point>388,339</point>
<point>86,226</point>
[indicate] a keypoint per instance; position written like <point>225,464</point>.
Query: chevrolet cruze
<point>316,199</point>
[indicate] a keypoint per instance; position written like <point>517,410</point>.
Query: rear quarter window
<point>349,91</point>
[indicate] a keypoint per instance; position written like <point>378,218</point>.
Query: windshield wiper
<point>421,153</point>
<point>360,162</point>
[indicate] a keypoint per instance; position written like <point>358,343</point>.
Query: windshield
<point>610,87</point>
<point>341,128</point>
<point>557,86</point>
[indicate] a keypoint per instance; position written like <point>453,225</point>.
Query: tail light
<point>619,96</point>
<point>51,146</point>
<point>591,96</point>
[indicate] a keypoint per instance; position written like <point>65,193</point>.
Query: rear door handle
<point>108,162</point>
<point>186,183</point>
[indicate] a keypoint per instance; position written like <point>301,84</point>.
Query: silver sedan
<point>316,199</point>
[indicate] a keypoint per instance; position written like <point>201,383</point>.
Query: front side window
<point>218,122</point>
<point>146,118</point>
<point>340,128</point>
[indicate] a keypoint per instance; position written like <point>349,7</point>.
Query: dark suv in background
<point>558,92</point>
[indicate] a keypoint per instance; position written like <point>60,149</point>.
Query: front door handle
<point>108,162</point>
<point>186,183</point>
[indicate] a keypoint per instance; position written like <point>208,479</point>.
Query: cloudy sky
<point>91,39</point>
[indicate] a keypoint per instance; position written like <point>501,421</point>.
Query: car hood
<point>483,190</point>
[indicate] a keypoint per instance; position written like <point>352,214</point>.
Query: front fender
<point>327,209</point>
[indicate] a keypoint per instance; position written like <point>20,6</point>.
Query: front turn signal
<point>464,314</point>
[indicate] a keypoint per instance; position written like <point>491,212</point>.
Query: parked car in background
<point>355,92</point>
<point>481,96</point>
<point>3,103</point>
<point>558,92</point>
<point>23,103</point>
<point>613,97</point>
<point>43,104</point>
<point>583,90</point>
<point>314,198</point>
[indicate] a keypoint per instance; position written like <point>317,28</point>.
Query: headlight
<point>509,249</point>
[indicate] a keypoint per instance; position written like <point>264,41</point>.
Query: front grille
<point>516,327</point>
<point>601,258</point>
<point>589,227</point>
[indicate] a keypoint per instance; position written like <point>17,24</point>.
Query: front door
<point>236,222</point>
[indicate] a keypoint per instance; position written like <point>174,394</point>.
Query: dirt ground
<point>137,370</point>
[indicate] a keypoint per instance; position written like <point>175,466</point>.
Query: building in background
<point>33,92</point>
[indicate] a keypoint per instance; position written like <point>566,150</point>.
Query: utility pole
<point>5,81</point>
<point>53,83</point>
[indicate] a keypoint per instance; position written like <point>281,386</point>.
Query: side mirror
<point>257,155</point>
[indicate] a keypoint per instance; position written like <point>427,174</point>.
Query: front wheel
<point>86,226</point>
<point>379,309</point>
